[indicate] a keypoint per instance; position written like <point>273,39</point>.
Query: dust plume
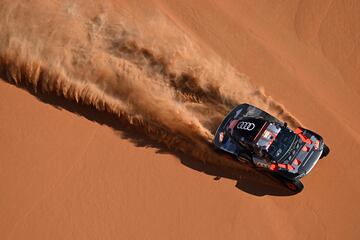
<point>149,74</point>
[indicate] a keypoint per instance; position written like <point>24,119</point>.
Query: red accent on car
<point>298,130</point>
<point>296,162</point>
<point>305,149</point>
<point>289,167</point>
<point>282,165</point>
<point>304,139</point>
<point>273,167</point>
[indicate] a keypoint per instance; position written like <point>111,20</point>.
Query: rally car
<point>253,136</point>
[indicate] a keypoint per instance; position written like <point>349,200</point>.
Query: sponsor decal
<point>248,126</point>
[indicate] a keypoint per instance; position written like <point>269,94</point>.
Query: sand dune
<point>170,70</point>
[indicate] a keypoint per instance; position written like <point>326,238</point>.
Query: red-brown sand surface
<point>96,152</point>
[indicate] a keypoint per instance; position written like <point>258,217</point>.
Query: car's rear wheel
<point>325,152</point>
<point>295,186</point>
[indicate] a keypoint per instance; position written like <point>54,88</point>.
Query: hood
<point>305,153</point>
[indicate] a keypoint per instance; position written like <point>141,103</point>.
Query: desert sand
<point>108,108</point>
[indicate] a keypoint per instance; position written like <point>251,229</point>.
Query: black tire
<point>325,152</point>
<point>295,186</point>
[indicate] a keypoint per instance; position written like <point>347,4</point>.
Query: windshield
<point>268,136</point>
<point>281,144</point>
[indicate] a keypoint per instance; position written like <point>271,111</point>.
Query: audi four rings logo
<point>246,126</point>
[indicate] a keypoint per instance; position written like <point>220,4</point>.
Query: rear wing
<point>239,112</point>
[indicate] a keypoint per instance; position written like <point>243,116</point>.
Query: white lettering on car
<point>248,126</point>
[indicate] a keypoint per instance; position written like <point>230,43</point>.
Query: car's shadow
<point>248,182</point>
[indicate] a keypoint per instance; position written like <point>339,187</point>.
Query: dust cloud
<point>147,73</point>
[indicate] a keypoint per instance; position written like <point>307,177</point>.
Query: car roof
<point>248,129</point>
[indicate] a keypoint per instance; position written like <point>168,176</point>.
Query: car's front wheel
<point>325,152</point>
<point>295,186</point>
